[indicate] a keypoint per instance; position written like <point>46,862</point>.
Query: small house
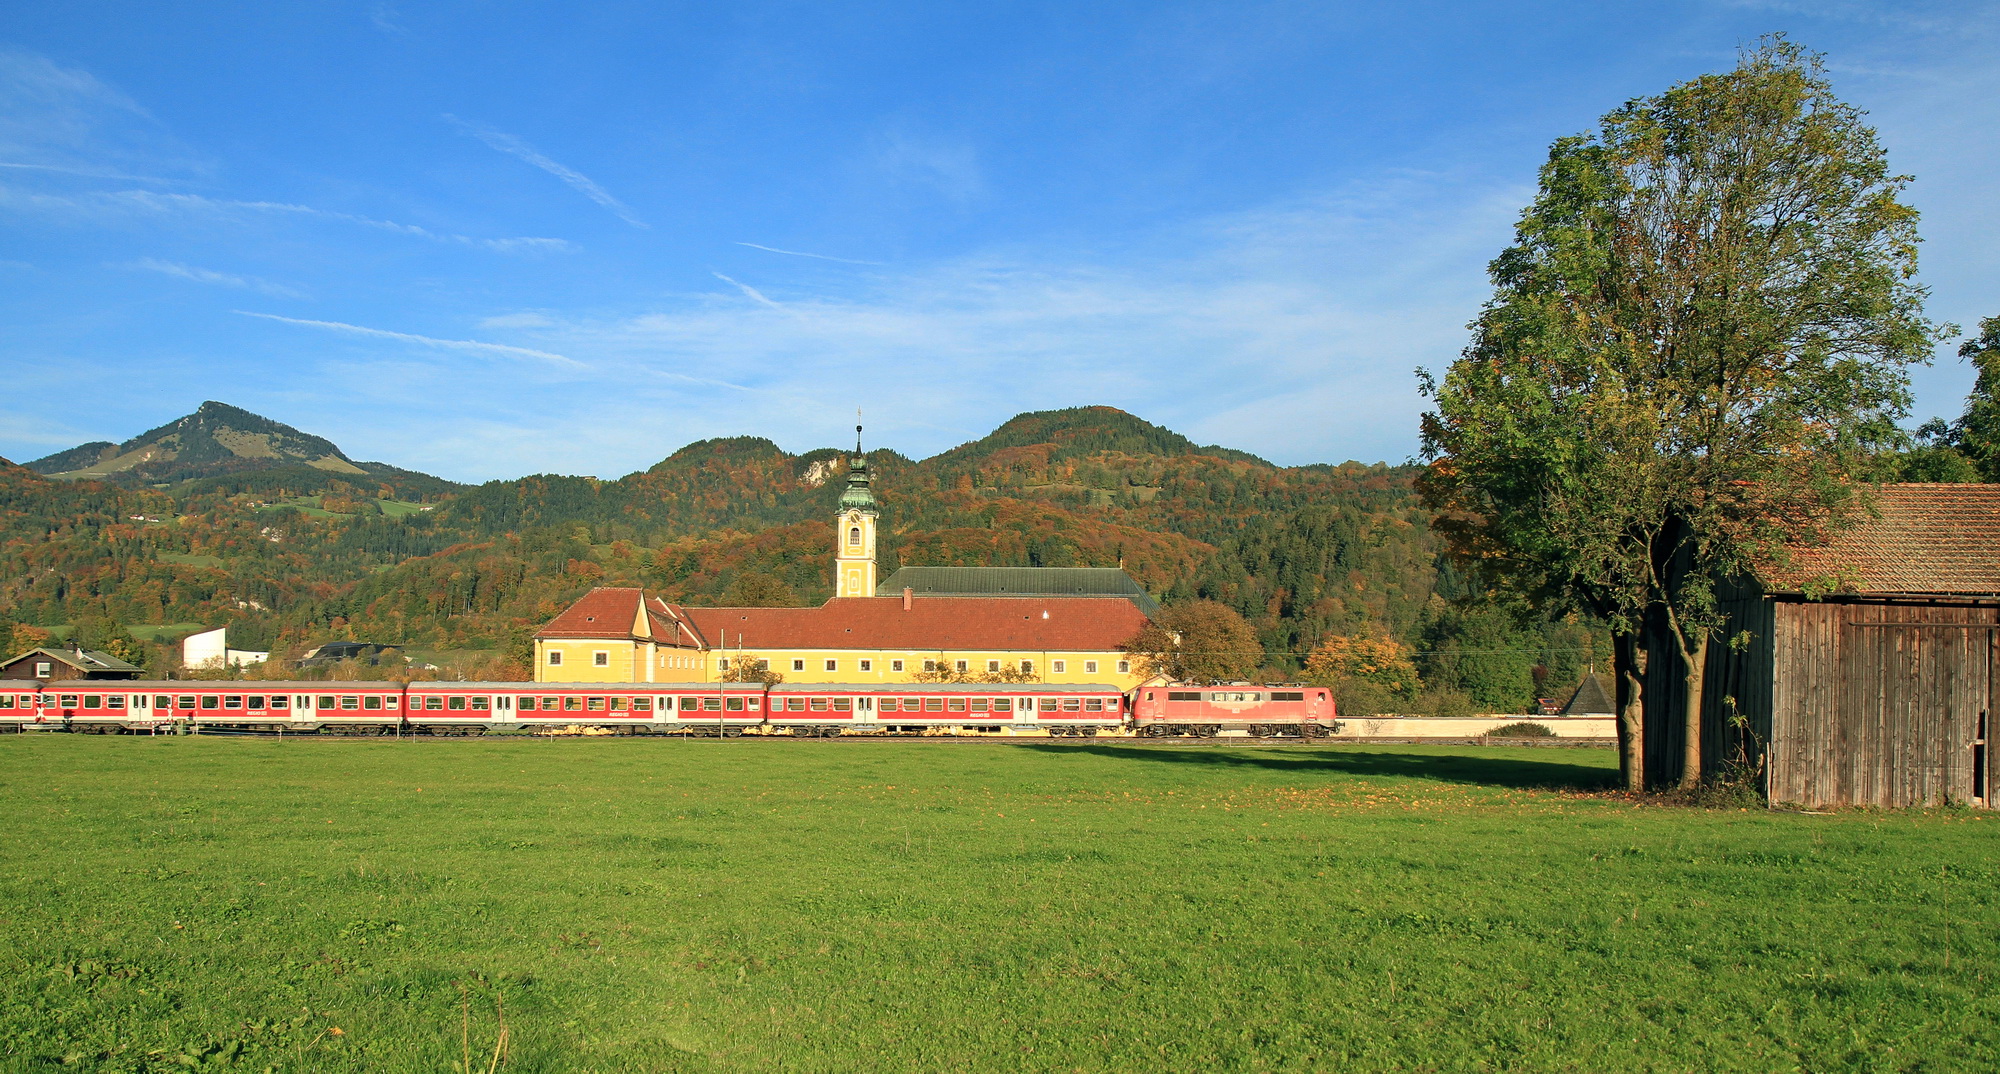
<point>59,664</point>
<point>1862,671</point>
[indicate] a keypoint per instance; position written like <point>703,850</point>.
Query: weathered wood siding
<point>1879,702</point>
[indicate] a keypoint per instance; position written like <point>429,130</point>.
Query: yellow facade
<point>627,660</point>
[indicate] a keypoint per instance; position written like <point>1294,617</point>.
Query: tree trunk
<point>1629,696</point>
<point>1695,664</point>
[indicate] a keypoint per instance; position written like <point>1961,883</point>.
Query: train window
<point>1094,704</point>
<point>790,704</point>
<point>326,701</point>
<point>350,701</point>
<point>254,701</point>
<point>390,702</point>
<point>1090,667</point>
<point>594,704</point>
<point>433,702</point>
<point>281,702</point>
<point>67,701</point>
<point>550,704</point>
<point>1003,704</point>
<point>711,704</point>
<point>481,704</point>
<point>162,701</point>
<point>1179,695</point>
<point>572,704</point>
<point>733,704</point>
<point>210,701</point>
<point>639,704</point>
<point>819,704</point>
<point>117,701</point>
<point>889,704</point>
<point>689,703</point>
<point>1069,704</point>
<point>843,704</point>
<point>372,701</point>
<point>933,704</point>
<point>93,701</point>
<point>979,704</point>
<point>957,704</point>
<point>618,704</point>
<point>527,704</point>
<point>1048,704</point>
<point>1288,695</point>
<point>6,701</point>
<point>233,701</point>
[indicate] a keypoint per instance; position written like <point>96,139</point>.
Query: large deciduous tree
<point>1200,641</point>
<point>1699,332</point>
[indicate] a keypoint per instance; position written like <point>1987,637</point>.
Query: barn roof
<point>1018,582</point>
<point>1918,539</point>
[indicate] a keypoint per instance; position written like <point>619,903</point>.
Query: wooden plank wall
<point>1877,702</point>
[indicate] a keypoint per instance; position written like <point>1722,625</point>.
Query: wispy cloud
<point>801,253</point>
<point>477,346</point>
<point>154,202</point>
<point>581,183</point>
<point>207,276</point>
<point>754,294</point>
<point>64,119</point>
<point>86,173</point>
<point>386,18</point>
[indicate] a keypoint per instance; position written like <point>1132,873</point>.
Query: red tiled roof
<point>1930,538</point>
<point>1014,624</point>
<point>610,612</point>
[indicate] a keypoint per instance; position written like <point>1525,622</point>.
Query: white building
<point>210,649</point>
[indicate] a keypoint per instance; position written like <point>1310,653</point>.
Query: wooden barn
<point>1877,690</point>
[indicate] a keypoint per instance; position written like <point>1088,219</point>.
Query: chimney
<point>906,598</point>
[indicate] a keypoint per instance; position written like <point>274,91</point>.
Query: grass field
<point>168,904</point>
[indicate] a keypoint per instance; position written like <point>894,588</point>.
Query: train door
<point>864,710</point>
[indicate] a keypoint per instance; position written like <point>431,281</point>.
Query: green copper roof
<point>858,495</point>
<point>1018,582</point>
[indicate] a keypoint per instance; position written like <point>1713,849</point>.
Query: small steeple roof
<point>858,496</point>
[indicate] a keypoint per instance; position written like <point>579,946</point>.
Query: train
<point>802,710</point>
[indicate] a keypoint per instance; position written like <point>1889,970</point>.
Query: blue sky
<point>489,239</point>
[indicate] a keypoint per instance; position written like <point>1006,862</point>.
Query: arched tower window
<point>854,535</point>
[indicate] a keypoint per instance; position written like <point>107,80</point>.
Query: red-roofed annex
<point>623,634</point>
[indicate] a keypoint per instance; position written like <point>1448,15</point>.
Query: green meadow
<point>634,905</point>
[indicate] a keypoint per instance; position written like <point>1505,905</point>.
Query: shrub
<point>1524,729</point>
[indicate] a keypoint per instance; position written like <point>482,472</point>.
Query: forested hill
<point>1299,551</point>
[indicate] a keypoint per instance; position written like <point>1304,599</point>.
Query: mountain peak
<point>216,439</point>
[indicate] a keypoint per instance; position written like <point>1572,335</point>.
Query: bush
<point>1524,729</point>
<point>1353,697</point>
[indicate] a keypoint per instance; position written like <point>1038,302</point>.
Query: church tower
<point>854,532</point>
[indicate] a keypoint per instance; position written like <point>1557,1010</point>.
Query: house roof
<point>1918,539</point>
<point>1590,698</point>
<point>1018,582</point>
<point>623,612</point>
<point>86,660</point>
<point>1008,624</point>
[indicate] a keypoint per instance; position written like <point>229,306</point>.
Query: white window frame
<point>833,665</point>
<point>895,665</point>
<point>868,665</point>
<point>555,658</point>
<point>1090,667</point>
<point>961,665</point>
<point>993,665</point>
<point>1059,667</point>
<point>1124,667</point>
<point>600,658</point>
<point>798,665</point>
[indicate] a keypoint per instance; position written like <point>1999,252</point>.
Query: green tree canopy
<point>1699,333</point>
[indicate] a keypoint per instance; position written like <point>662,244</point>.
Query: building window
<point>722,664</point>
<point>1090,667</point>
<point>798,665</point>
<point>833,665</point>
<point>1058,666</point>
<point>555,659</point>
<point>930,665</point>
<point>854,536</point>
<point>895,665</point>
<point>1124,667</point>
<point>960,665</point>
<point>993,665</point>
<point>868,665</point>
<point>42,669</point>
<point>1028,666</point>
<point>600,659</point>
